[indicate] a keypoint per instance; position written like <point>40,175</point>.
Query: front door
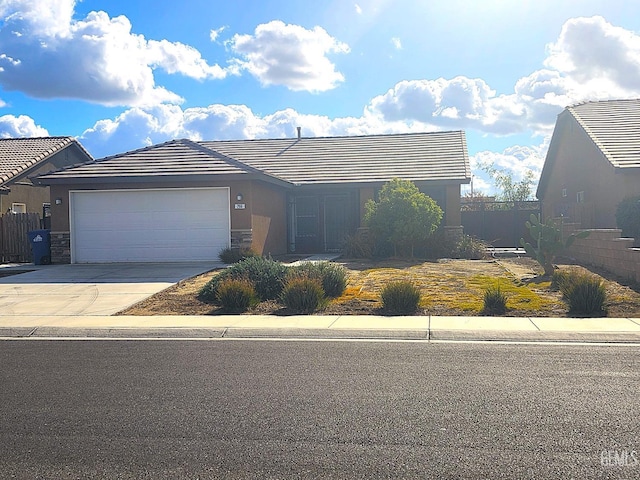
<point>320,223</point>
<point>307,224</point>
<point>337,221</point>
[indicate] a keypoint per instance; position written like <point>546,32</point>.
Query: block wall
<point>605,248</point>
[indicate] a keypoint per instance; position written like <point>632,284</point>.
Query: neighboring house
<point>23,158</point>
<point>593,162</point>
<point>185,200</point>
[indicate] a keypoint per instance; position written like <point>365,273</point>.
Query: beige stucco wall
<point>33,197</point>
<point>579,166</point>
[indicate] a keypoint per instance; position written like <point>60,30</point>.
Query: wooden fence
<point>502,224</point>
<point>14,241</point>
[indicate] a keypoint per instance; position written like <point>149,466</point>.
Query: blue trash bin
<point>40,241</point>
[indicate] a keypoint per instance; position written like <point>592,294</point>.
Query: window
<point>564,192</point>
<point>18,208</point>
<point>580,197</point>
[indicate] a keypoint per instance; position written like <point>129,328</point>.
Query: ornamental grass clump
<point>495,301</point>
<point>400,297</point>
<point>585,293</point>
<point>236,295</point>
<point>332,276</point>
<point>303,295</point>
<point>266,275</point>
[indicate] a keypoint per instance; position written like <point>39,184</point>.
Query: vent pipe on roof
<point>299,132</point>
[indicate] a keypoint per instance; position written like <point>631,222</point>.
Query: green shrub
<point>495,301</point>
<point>266,275</point>
<point>400,297</point>
<point>303,295</point>
<point>234,255</point>
<point>332,276</point>
<point>585,293</point>
<point>628,218</point>
<point>236,295</point>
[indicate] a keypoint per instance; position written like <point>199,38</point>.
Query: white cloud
<point>289,55</point>
<point>599,57</point>
<point>358,9</point>
<point>458,103</point>
<point>215,33</point>
<point>138,127</point>
<point>591,60</point>
<point>48,54</point>
<point>395,41</point>
<point>21,126</point>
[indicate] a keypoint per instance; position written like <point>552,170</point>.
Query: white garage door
<point>165,225</point>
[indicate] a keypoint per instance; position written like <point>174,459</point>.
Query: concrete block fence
<point>605,248</point>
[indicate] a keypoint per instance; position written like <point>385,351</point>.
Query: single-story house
<point>23,158</point>
<point>593,162</point>
<point>186,200</point>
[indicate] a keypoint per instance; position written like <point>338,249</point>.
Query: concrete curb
<point>319,334</point>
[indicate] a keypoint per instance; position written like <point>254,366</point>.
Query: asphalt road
<point>286,409</point>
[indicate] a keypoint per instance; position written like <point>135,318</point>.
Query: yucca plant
<point>585,293</point>
<point>495,301</point>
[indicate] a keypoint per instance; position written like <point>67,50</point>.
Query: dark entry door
<point>307,223</point>
<point>337,221</point>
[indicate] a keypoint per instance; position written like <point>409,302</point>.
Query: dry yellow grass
<point>451,287</point>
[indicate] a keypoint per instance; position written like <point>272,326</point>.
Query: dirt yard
<point>449,287</point>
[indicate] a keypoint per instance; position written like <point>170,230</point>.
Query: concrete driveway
<point>105,289</point>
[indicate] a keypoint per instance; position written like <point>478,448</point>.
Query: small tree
<point>403,215</point>
<point>510,190</point>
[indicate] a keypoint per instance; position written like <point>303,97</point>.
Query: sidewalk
<point>601,330</point>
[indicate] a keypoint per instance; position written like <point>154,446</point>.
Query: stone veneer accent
<point>241,238</point>
<point>605,248</point>
<point>60,247</point>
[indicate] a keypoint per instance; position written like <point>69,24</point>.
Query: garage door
<point>164,225</point>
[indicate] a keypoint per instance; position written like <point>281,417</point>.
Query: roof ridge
<point>333,136</point>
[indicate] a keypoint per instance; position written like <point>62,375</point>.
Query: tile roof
<point>614,126</point>
<point>307,160</point>
<point>20,154</point>
<point>174,158</point>
<point>371,158</point>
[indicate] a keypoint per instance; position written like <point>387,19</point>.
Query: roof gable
<point>614,126</point>
<point>173,158</point>
<point>17,155</point>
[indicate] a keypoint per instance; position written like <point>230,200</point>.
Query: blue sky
<point>120,75</point>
